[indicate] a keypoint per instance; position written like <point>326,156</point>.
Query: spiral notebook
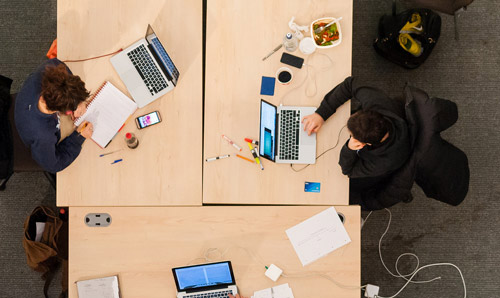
<point>108,111</point>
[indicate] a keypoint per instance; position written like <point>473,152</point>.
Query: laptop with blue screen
<point>146,69</point>
<point>206,280</point>
<point>282,137</point>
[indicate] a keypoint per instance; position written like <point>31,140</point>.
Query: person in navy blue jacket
<point>50,91</point>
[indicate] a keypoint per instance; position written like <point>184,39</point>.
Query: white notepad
<point>108,110</point>
<point>106,287</point>
<point>318,236</point>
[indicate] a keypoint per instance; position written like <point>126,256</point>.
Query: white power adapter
<point>273,272</point>
<point>371,291</point>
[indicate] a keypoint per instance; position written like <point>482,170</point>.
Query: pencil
<point>83,127</point>
<point>247,159</point>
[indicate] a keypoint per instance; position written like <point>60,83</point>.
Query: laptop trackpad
<point>132,79</point>
<point>305,139</point>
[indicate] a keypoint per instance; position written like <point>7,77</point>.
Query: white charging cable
<point>417,268</point>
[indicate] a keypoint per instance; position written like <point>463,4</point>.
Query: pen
<point>247,159</point>
<point>274,51</point>
<point>255,156</point>
<point>256,143</point>
<point>217,157</point>
<point>232,143</point>
<point>116,161</point>
<point>104,154</point>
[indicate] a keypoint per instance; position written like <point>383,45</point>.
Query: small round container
<point>327,20</point>
<point>284,75</point>
<point>307,45</point>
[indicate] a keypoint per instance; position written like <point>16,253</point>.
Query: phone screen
<point>148,119</point>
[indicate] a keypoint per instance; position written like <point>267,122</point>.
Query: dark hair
<point>61,90</point>
<point>368,126</point>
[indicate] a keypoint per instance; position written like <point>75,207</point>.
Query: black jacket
<point>438,167</point>
<point>370,162</point>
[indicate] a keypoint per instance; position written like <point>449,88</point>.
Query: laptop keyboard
<point>164,57</point>
<point>289,134</point>
<point>211,294</point>
<point>146,68</point>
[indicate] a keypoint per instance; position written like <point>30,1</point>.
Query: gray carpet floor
<point>465,71</point>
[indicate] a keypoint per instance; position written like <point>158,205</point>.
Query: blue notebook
<point>267,86</point>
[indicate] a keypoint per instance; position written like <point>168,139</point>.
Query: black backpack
<point>387,43</point>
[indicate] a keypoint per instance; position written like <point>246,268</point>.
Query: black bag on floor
<point>426,34</point>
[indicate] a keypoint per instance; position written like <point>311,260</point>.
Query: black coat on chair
<point>438,167</point>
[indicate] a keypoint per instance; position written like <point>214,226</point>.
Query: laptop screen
<point>204,276</point>
<point>267,147</point>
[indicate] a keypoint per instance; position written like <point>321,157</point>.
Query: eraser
<point>273,272</point>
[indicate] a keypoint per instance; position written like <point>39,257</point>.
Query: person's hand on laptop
<point>237,296</point>
<point>312,123</point>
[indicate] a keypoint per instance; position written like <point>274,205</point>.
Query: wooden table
<point>166,168</point>
<point>142,244</point>
<point>239,35</point>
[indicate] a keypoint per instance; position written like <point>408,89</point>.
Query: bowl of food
<point>329,35</point>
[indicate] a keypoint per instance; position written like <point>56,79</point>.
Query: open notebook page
<point>107,112</point>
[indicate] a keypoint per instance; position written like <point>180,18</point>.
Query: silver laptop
<point>206,280</point>
<point>146,69</point>
<point>282,138</point>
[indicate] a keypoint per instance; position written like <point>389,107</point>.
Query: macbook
<point>146,69</point>
<point>282,138</point>
<point>206,280</point>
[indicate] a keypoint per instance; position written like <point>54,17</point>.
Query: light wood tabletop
<point>239,35</point>
<point>166,168</point>
<point>142,244</point>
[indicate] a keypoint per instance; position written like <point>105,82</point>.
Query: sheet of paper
<point>106,287</point>
<point>281,291</point>
<point>40,227</point>
<point>318,236</point>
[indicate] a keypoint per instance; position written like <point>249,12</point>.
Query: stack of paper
<point>281,291</point>
<point>318,236</point>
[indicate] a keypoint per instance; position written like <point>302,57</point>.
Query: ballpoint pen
<point>231,142</point>
<point>104,154</point>
<point>255,156</point>
<point>256,143</point>
<point>116,161</point>
<point>273,51</point>
<point>217,157</point>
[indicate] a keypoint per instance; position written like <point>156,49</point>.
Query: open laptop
<point>282,138</point>
<point>206,280</point>
<point>146,69</point>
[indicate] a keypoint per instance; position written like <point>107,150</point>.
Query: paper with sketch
<point>281,291</point>
<point>106,287</point>
<point>318,236</point>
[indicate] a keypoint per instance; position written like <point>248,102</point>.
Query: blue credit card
<point>312,187</point>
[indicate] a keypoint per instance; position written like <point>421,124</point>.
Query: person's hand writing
<point>237,296</point>
<point>312,123</point>
<point>86,129</point>
<point>355,144</point>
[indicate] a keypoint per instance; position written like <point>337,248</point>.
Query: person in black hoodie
<point>379,142</point>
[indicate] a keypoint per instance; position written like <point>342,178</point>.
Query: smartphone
<point>292,60</point>
<point>148,120</point>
